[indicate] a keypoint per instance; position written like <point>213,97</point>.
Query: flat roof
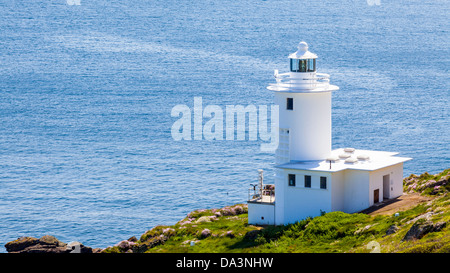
<point>348,158</point>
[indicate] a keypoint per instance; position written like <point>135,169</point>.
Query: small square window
<point>307,181</point>
<point>290,104</point>
<point>323,182</point>
<point>292,180</point>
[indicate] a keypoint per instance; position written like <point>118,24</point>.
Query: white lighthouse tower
<point>304,100</point>
<point>311,178</point>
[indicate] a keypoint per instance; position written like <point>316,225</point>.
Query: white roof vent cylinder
<point>351,160</point>
<point>349,150</point>
<point>363,157</point>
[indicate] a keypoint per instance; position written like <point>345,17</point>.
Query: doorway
<point>386,186</point>
<point>376,196</point>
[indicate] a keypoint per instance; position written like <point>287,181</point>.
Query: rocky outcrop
<point>427,183</point>
<point>46,244</point>
<point>422,227</point>
<point>392,229</point>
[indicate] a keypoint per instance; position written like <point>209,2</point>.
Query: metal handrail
<point>258,198</point>
<point>284,81</point>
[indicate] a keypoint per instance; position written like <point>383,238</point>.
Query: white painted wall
<point>280,183</point>
<point>356,190</point>
<point>349,191</point>
<point>309,124</point>
<point>261,214</point>
<point>338,191</point>
<point>300,202</point>
<point>395,173</point>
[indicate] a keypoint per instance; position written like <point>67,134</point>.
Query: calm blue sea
<point>86,93</point>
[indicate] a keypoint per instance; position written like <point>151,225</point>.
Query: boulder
<point>46,244</point>
<point>154,241</point>
<point>392,229</point>
<point>205,233</point>
<point>421,228</point>
<point>20,244</point>
<point>252,234</point>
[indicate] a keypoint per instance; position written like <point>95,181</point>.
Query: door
<point>376,196</point>
<point>386,186</point>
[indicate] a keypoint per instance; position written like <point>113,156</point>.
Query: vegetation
<point>226,230</point>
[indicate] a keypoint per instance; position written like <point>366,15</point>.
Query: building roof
<point>349,158</point>
<point>302,52</point>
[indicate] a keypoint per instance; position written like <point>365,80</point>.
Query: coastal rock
<point>421,228</point>
<point>392,229</point>
<point>46,244</point>
<point>252,234</point>
<point>364,229</point>
<point>205,233</point>
<point>144,246</point>
<point>20,244</point>
<point>205,219</point>
<point>125,245</point>
<point>230,234</point>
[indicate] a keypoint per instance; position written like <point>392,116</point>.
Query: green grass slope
<point>421,229</point>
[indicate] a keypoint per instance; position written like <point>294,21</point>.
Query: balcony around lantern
<point>301,82</point>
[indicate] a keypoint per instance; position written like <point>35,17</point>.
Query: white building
<point>310,177</point>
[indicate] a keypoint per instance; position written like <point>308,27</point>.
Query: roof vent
<point>363,157</point>
<point>349,150</point>
<point>332,159</point>
<point>351,160</point>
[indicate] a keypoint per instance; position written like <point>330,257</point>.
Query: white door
<point>386,186</point>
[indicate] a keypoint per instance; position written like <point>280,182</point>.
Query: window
<point>290,104</point>
<point>323,182</point>
<point>302,65</point>
<point>307,181</point>
<point>311,65</point>
<point>292,180</point>
<point>298,65</point>
<point>294,65</point>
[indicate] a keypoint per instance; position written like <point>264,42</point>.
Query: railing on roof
<point>264,195</point>
<point>286,82</point>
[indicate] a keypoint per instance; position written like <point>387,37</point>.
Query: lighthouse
<point>310,177</point>
<point>304,100</point>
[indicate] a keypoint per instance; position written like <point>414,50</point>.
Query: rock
<point>46,244</point>
<point>227,211</point>
<point>439,226</point>
<point>154,241</point>
<point>20,244</point>
<point>418,230</point>
<point>205,233</point>
<point>230,234</point>
<point>364,229</point>
<point>392,229</point>
<point>252,234</point>
<point>125,245</point>
<point>421,228</point>
<point>425,216</point>
<point>50,240</point>
<point>133,239</point>
<point>169,232</point>
<point>205,219</point>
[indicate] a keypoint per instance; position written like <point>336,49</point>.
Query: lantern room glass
<point>303,65</point>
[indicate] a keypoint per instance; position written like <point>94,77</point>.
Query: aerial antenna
<point>261,181</point>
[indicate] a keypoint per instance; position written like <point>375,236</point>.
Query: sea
<point>87,90</point>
